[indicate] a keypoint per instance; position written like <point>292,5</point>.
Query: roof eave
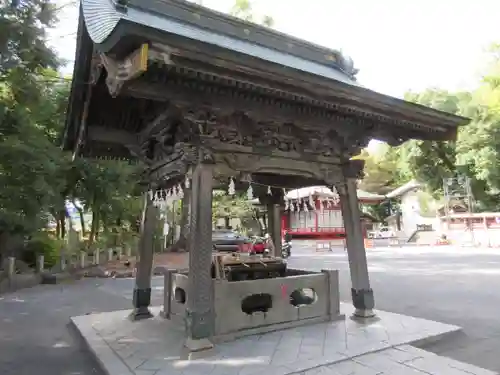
<point>79,87</point>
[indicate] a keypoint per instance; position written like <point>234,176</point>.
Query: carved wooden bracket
<point>95,68</point>
<point>350,170</point>
<point>120,72</point>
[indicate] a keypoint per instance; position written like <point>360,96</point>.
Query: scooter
<point>286,249</point>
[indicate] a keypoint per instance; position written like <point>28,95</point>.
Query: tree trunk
<point>82,220</point>
<point>259,222</point>
<point>185,213</point>
<point>94,228</point>
<point>62,221</point>
<point>58,227</point>
<point>182,244</point>
<point>436,146</point>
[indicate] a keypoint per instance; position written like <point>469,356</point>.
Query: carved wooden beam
<point>110,135</point>
<point>337,99</point>
<point>238,164</point>
<point>122,71</point>
<point>226,101</point>
<point>160,124</point>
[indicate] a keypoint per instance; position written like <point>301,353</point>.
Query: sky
<point>397,45</point>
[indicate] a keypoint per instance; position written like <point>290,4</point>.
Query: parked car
<point>384,232</point>
<point>227,240</point>
<point>259,245</point>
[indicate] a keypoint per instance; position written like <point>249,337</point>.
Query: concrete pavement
<point>35,339</point>
<point>452,285</point>
<point>455,286</point>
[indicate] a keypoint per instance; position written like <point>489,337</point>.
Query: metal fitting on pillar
<point>363,302</point>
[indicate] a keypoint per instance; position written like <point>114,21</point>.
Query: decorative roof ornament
<point>346,63</point>
<point>121,5</point>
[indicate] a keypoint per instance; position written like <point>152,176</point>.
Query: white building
<point>411,215</point>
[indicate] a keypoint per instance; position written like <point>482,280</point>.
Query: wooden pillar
<point>276,233</point>
<point>270,219</point>
<point>185,219</point>
<point>316,228</point>
<point>200,310</point>
<point>142,289</point>
<point>362,294</point>
<point>274,225</point>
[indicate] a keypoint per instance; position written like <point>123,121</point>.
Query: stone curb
<point>107,360</point>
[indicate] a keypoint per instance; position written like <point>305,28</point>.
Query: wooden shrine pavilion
<point>200,96</point>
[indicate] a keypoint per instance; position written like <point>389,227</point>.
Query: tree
<point>28,159</point>
<point>36,176</point>
<point>381,172</point>
<point>475,153</point>
<point>243,9</point>
<point>228,207</point>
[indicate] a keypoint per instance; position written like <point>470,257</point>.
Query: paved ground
<point>453,285</point>
<point>456,286</point>
<point>155,347</point>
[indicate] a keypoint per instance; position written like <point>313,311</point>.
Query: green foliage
<point>30,117</point>
<point>44,244</point>
<point>23,48</point>
<point>227,206</point>
<point>36,176</point>
<point>475,153</point>
<point>382,174</point>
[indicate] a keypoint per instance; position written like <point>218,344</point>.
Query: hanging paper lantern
<point>287,204</point>
<point>180,192</point>
<point>336,197</point>
<point>231,188</point>
<point>311,202</point>
<point>250,192</point>
<point>186,182</point>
